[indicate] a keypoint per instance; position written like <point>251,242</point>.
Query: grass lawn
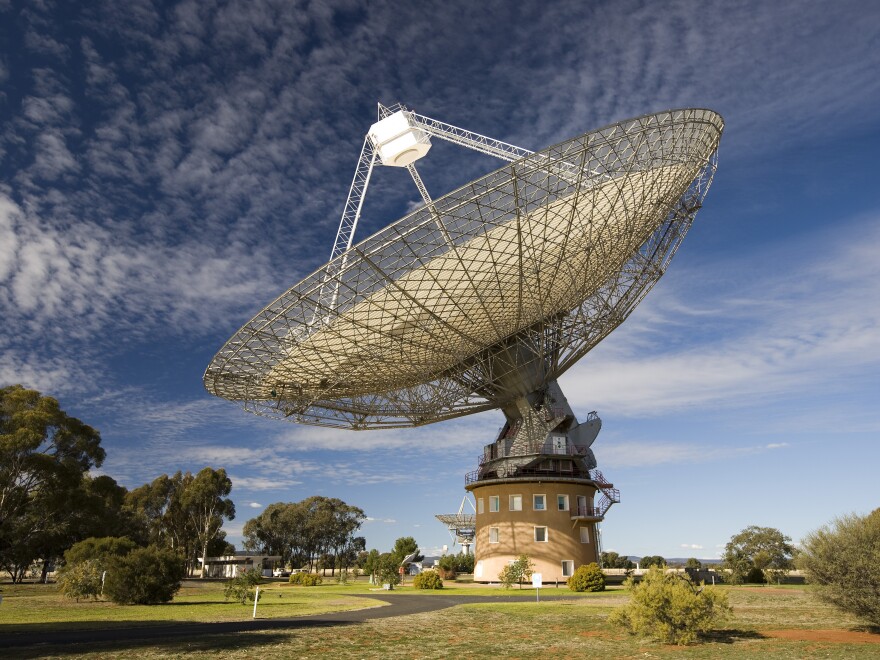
<point>34,607</point>
<point>767,623</point>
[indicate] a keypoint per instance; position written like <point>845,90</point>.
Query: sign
<point>537,580</point>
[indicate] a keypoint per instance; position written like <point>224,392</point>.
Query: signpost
<point>537,583</point>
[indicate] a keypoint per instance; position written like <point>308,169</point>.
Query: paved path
<point>398,605</point>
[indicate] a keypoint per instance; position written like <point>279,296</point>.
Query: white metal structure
<point>482,297</point>
<point>398,139</point>
<point>461,525</point>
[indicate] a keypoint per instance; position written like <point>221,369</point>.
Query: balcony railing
<point>532,448</point>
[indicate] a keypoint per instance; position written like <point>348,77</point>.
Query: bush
<point>428,580</point>
<point>241,587</point>
<point>587,577</point>
<point>81,580</point>
<point>306,579</point>
<point>145,576</point>
<point>101,549</point>
<point>755,576</point>
<point>86,561</point>
<point>843,560</point>
<point>518,571</point>
<point>670,608</point>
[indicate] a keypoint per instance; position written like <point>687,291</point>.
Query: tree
<point>652,560</point>
<point>159,513</point>
<point>763,549</point>
<point>587,577</point>
<point>44,457</point>
<point>404,546</point>
<point>450,565</point>
<point>206,505</point>
<point>694,563</point>
<point>518,571</point>
<point>371,564</point>
<point>303,532</point>
<point>843,560</point>
<point>614,560</point>
<point>388,569</point>
<point>670,608</point>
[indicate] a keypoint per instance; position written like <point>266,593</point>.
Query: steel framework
<point>461,525</point>
<point>482,297</point>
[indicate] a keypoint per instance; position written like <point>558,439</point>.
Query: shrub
<point>670,608</point>
<point>99,548</point>
<point>755,576</point>
<point>81,580</point>
<point>518,571</point>
<point>241,587</point>
<point>306,579</point>
<point>843,560</point>
<point>428,580</point>
<point>86,561</point>
<point>587,577</point>
<point>145,576</point>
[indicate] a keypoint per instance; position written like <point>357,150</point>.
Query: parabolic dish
<point>482,297</point>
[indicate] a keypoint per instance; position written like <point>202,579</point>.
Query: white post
<point>256,598</point>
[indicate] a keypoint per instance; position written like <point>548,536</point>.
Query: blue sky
<point>167,169</point>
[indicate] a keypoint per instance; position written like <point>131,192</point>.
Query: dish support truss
<point>627,194</point>
<point>363,172</point>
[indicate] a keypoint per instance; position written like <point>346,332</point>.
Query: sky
<point>168,169</point>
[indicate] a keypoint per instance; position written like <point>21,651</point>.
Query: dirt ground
<point>839,636</point>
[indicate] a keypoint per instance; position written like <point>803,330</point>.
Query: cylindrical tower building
<point>537,492</point>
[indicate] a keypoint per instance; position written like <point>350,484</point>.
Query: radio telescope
<point>480,299</point>
<point>462,526</point>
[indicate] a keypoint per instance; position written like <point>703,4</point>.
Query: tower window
<point>541,534</point>
<point>516,502</point>
<point>539,502</point>
<point>493,535</point>
<point>585,534</point>
<point>562,502</point>
<point>480,505</point>
<point>567,568</point>
<point>494,503</point>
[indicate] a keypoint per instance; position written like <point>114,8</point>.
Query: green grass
<point>34,607</point>
<point>768,623</point>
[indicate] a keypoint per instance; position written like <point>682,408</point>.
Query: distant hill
<point>679,560</point>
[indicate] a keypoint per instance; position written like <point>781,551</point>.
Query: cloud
<point>766,334</point>
<point>384,521</point>
<point>628,454</point>
<point>255,505</point>
<point>246,483</point>
<point>691,546</point>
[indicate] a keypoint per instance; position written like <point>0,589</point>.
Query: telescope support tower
<point>538,491</point>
